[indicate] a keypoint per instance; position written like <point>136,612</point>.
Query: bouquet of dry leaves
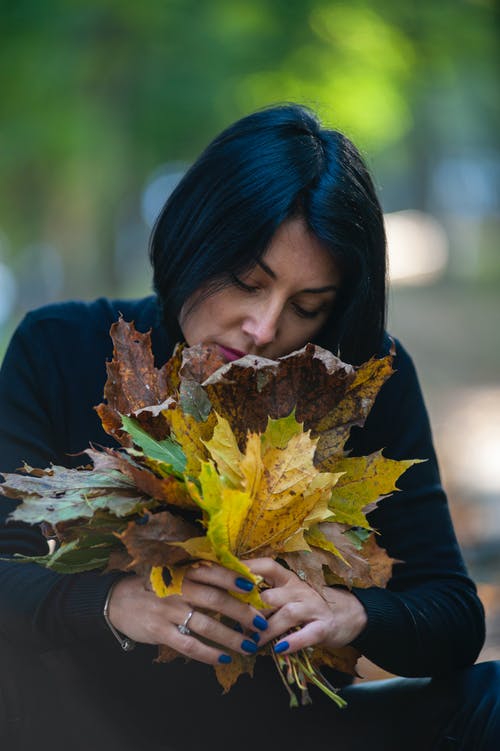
<point>223,462</point>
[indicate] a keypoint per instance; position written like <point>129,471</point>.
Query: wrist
<point>126,643</point>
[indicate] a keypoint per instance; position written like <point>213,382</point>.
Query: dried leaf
<point>342,658</point>
<point>227,675</point>
<point>133,380</point>
<point>250,390</point>
<point>191,435</point>
<point>200,362</point>
<point>167,489</point>
<point>364,481</point>
<point>60,494</point>
<point>334,426</point>
<point>149,542</point>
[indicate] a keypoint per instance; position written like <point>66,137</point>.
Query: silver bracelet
<point>126,643</point>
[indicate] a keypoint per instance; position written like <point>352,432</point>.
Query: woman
<point>272,239</point>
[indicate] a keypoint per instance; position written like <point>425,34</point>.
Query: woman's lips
<point>230,354</point>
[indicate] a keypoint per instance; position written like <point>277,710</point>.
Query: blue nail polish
<point>255,637</point>
<point>225,659</point>
<point>282,646</point>
<point>238,627</point>
<point>249,646</point>
<point>260,623</point>
<point>244,584</point>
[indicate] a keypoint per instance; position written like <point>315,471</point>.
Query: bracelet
<point>126,643</point>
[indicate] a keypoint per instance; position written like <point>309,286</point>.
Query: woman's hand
<point>333,620</point>
<point>141,615</point>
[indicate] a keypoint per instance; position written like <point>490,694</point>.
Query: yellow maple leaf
<point>224,450</point>
<point>191,435</point>
<point>364,481</point>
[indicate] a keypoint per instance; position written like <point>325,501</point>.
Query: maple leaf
<point>166,456</point>
<point>227,675</point>
<point>149,542</point>
<point>343,659</point>
<point>364,480</point>
<point>250,390</point>
<point>191,435</point>
<point>59,494</point>
<point>74,557</point>
<point>352,409</point>
<point>133,380</point>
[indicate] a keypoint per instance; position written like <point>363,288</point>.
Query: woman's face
<point>274,308</point>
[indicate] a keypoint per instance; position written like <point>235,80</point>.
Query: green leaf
<point>279,432</point>
<point>61,494</point>
<point>167,452</point>
<point>75,557</point>
<point>194,400</point>
<point>357,535</point>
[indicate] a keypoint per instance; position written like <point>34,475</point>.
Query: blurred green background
<point>104,103</point>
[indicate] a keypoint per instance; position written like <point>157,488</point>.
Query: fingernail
<point>249,646</point>
<point>238,627</point>
<point>260,623</point>
<point>225,659</point>
<point>244,584</point>
<point>255,637</point>
<point>282,646</point>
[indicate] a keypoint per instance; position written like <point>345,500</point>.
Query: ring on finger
<point>183,627</point>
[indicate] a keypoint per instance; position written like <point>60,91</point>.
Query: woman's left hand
<point>332,620</point>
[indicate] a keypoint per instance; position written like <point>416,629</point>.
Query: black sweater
<point>427,622</point>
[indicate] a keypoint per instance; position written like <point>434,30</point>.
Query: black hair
<point>270,166</point>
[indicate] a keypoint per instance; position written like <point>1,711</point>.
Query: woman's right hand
<point>144,617</point>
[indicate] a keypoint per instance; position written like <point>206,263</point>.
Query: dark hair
<point>267,167</point>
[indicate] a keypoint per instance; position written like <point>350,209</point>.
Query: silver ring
<point>183,628</point>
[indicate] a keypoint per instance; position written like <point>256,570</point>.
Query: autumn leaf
<point>191,435</point>
<point>59,494</point>
<point>364,480</point>
<point>224,450</point>
<point>200,362</point>
<point>75,557</point>
<point>133,380</point>
<point>227,675</point>
<point>148,540</point>
<point>167,489</point>
<point>250,390</point>
<point>343,659</point>
<point>352,409</point>
<point>166,456</point>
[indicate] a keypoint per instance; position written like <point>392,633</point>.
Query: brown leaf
<point>352,409</point>
<point>308,565</point>
<point>167,654</point>
<point>149,543</point>
<point>311,379</point>
<point>166,489</point>
<point>342,658</point>
<point>133,380</point>
<point>119,560</point>
<point>380,563</point>
<point>200,361</point>
<point>227,675</point>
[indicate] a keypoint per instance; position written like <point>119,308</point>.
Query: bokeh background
<point>104,102</point>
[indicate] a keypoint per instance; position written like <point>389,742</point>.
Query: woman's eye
<point>306,313</point>
<point>242,285</point>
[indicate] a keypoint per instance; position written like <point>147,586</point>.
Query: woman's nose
<point>262,324</point>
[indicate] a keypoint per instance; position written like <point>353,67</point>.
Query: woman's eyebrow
<point>316,290</point>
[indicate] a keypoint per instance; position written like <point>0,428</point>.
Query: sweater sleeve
<point>429,619</point>
<point>38,606</point>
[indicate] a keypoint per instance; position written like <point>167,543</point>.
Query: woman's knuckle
<point>213,599</point>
